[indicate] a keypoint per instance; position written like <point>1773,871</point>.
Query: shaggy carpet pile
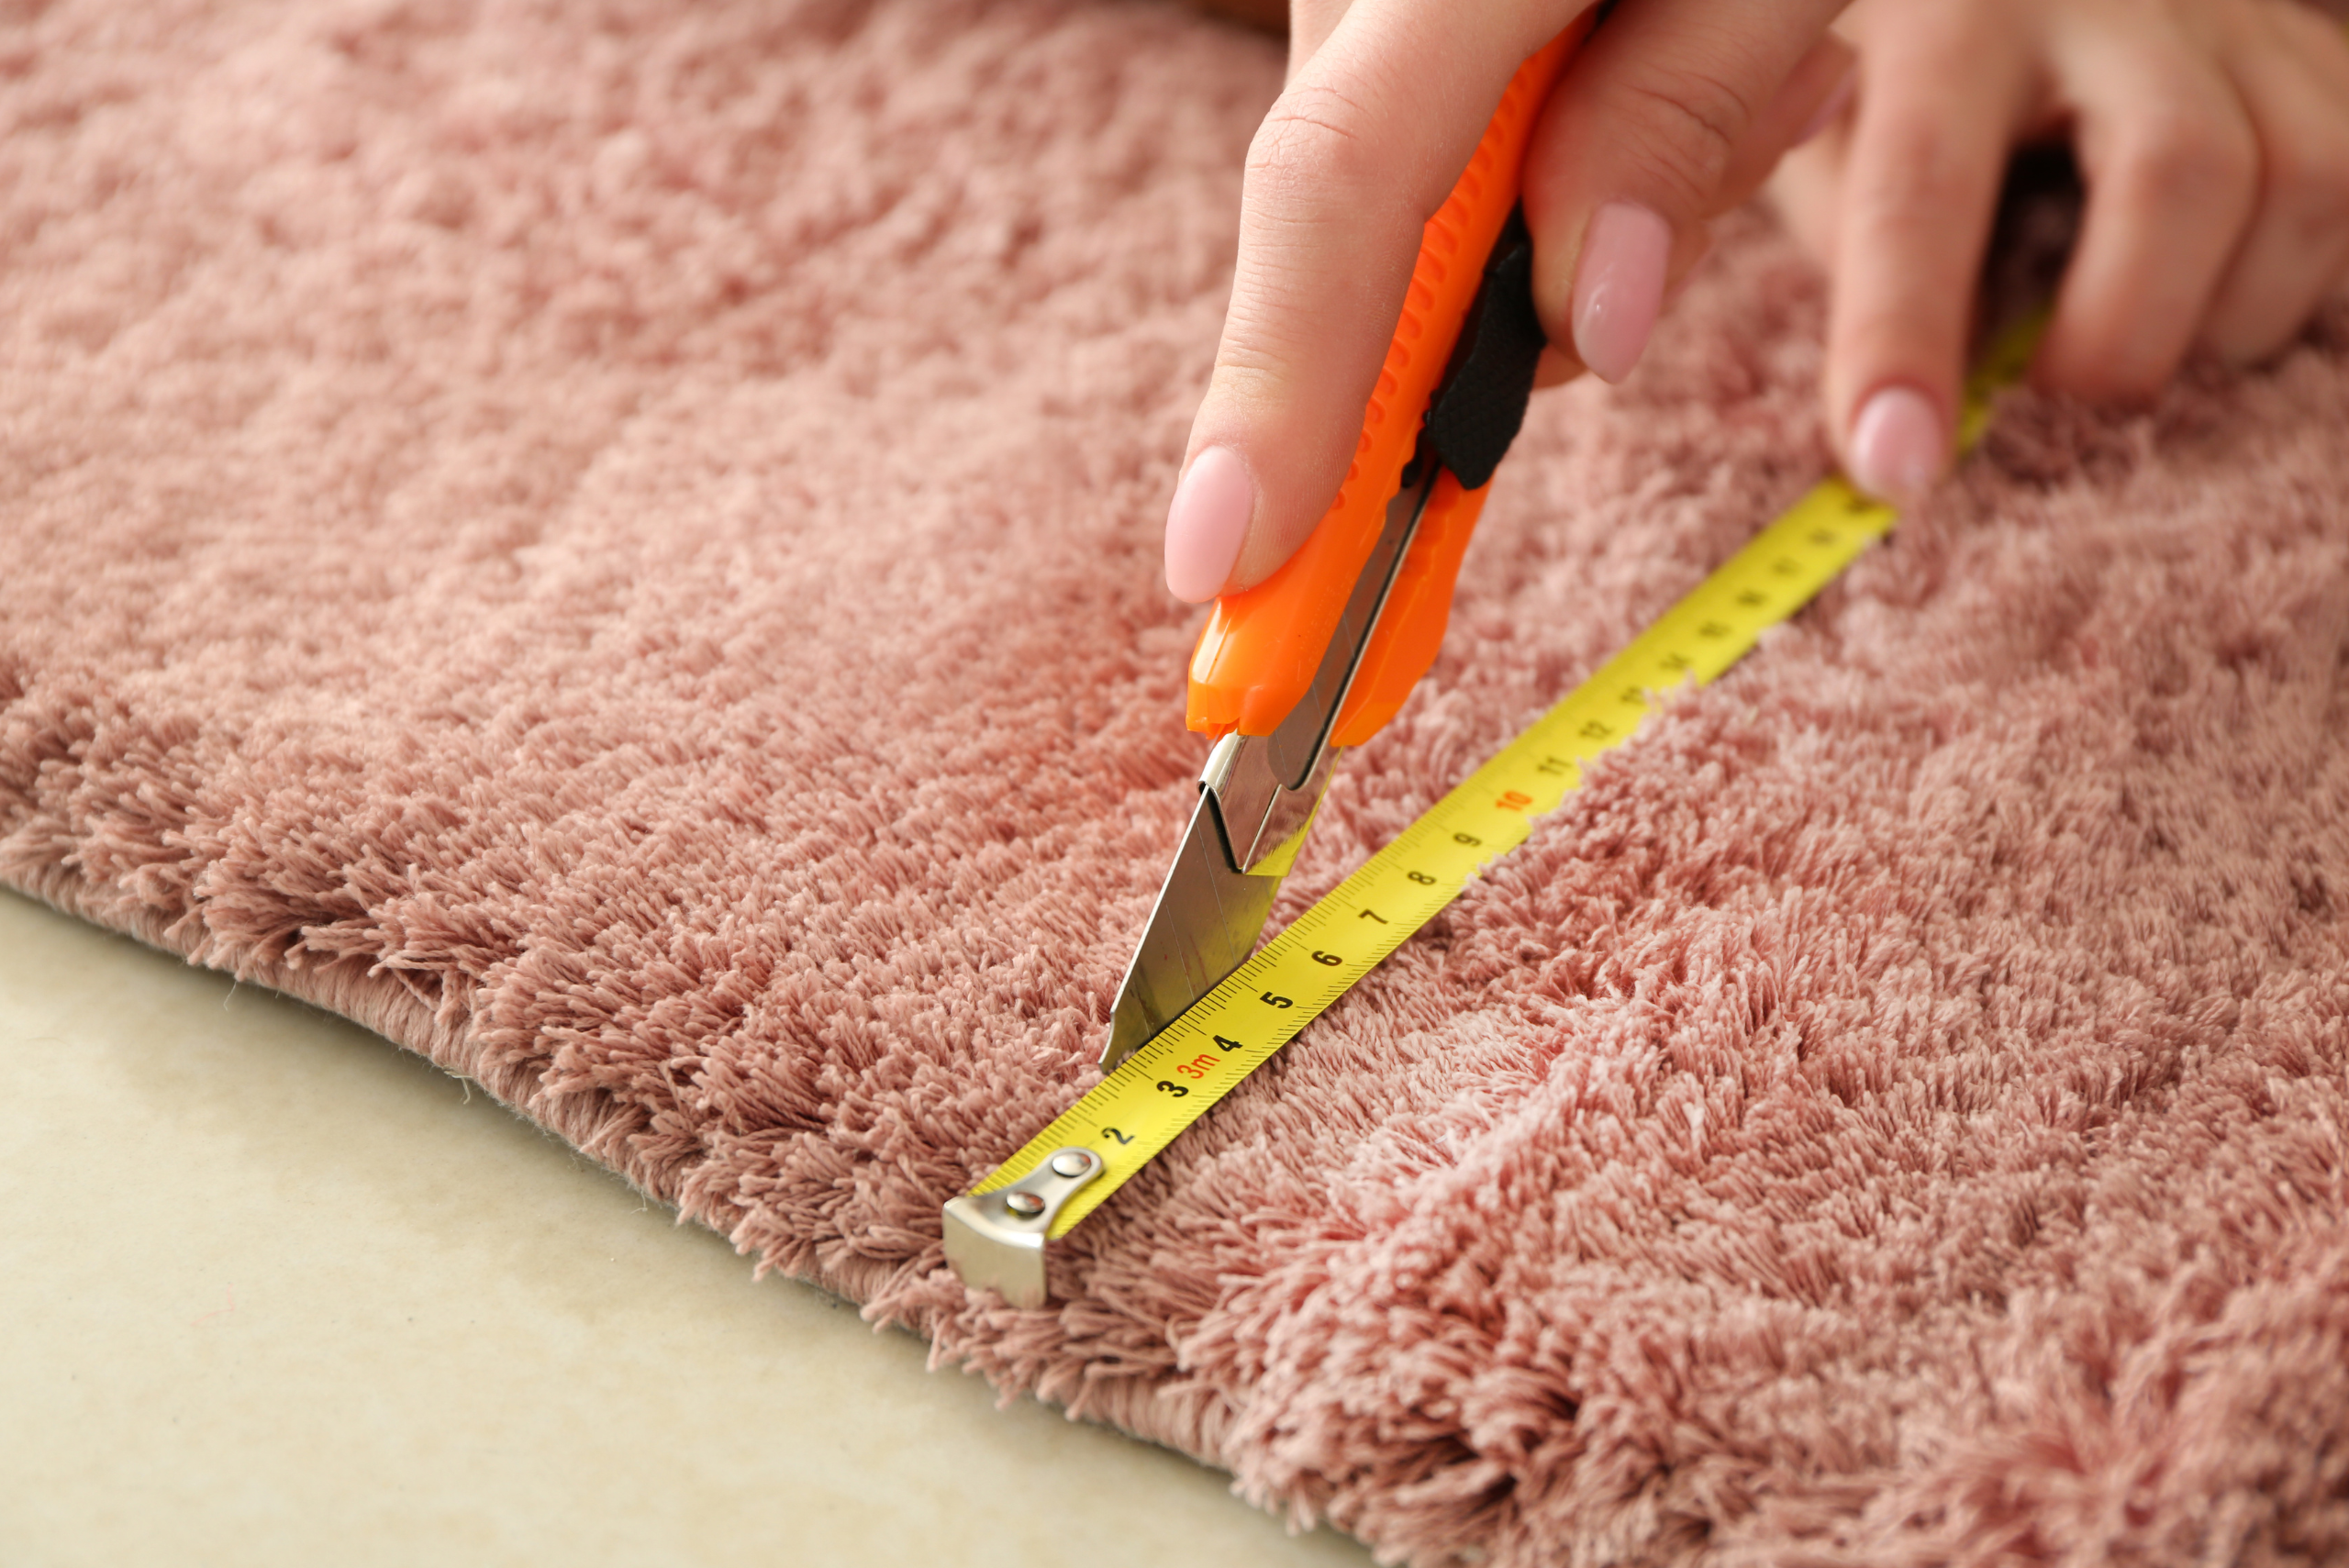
<point>617,543</point>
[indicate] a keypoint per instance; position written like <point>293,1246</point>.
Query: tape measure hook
<point>995,1241</point>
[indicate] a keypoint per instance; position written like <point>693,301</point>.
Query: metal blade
<point>1205,925</point>
<point>1257,797</point>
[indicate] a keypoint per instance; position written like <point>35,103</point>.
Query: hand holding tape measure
<point>2212,137</point>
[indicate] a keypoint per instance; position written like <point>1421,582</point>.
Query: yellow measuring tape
<point>1182,1072</point>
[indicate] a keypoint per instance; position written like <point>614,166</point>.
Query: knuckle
<point>2185,156</point>
<point>1922,180</point>
<point>1311,141</point>
<point>1692,120</point>
<point>2306,181</point>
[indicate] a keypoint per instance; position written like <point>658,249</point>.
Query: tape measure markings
<point>1182,1073</point>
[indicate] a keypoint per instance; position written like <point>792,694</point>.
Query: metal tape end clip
<point>995,1241</point>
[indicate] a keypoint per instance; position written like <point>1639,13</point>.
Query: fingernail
<point>1207,523</point>
<point>1831,108</point>
<point>1618,287</point>
<point>1898,446</point>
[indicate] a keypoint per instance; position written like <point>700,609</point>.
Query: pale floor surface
<point>279,1293</point>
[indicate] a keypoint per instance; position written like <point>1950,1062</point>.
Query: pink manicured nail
<point>1207,523</point>
<point>1898,446</point>
<point>1618,287</point>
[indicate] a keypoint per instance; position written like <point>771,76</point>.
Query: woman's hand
<point>1671,112</point>
<point>2214,139</point>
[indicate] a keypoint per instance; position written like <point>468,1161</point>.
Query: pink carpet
<point>618,545</point>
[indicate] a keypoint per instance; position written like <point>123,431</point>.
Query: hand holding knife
<point>1321,654</point>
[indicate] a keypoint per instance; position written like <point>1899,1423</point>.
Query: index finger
<point>1362,147</point>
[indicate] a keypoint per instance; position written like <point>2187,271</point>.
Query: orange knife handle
<point>1419,607</point>
<point>1261,648</point>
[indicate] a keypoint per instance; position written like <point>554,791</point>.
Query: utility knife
<point>1320,655</point>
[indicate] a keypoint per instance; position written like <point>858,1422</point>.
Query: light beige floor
<point>277,1292</point>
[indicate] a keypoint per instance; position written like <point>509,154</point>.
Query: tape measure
<point>1114,1130</point>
